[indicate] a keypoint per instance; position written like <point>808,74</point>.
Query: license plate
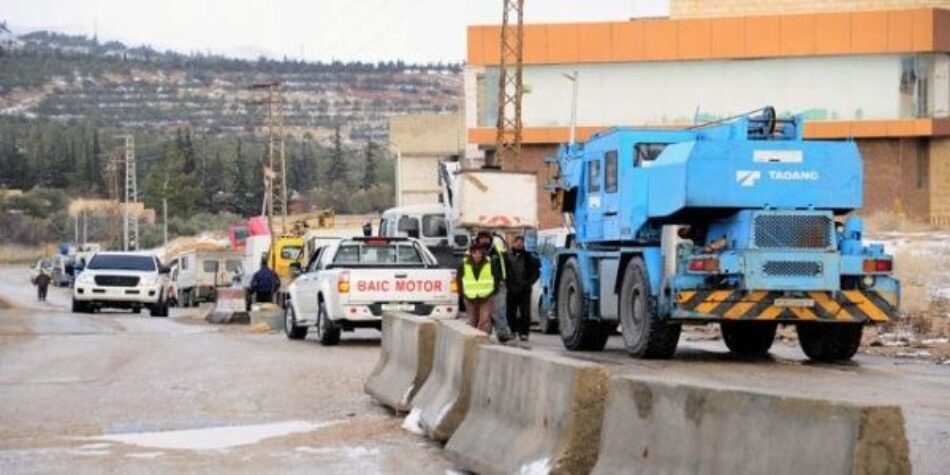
<point>798,303</point>
<point>399,307</point>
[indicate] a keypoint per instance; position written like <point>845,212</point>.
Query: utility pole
<point>276,177</point>
<point>574,78</point>
<point>165,210</point>
<point>130,226</point>
<point>510,85</point>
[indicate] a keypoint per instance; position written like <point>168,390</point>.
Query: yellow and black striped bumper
<point>845,306</point>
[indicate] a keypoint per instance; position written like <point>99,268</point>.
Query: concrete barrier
<point>229,307</point>
<point>530,413</point>
<point>405,359</point>
<point>444,398</point>
<point>658,427</point>
<point>267,314</point>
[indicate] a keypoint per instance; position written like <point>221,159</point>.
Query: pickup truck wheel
<point>577,332</point>
<point>327,331</point>
<point>645,335</point>
<point>291,329</point>
<point>829,342</point>
<point>159,309</point>
<point>80,307</point>
<point>748,338</point>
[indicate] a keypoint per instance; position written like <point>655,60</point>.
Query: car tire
<point>829,342</point>
<point>577,332</point>
<point>80,307</point>
<point>327,331</point>
<point>752,339</point>
<point>645,334</point>
<point>291,329</point>
<point>159,309</point>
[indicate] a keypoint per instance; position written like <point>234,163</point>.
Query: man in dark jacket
<point>523,269</point>
<point>264,284</point>
<point>42,282</point>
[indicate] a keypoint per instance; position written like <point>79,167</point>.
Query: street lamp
<point>575,79</point>
<point>398,181</point>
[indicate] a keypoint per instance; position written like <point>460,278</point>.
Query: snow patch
<point>214,437</point>
<point>346,452</point>
<point>538,467</point>
<point>411,422</point>
<point>87,453</point>
<point>144,455</point>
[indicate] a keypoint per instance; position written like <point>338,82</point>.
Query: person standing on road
<point>523,270</point>
<point>478,282</point>
<point>42,281</point>
<point>264,283</point>
<point>496,254</point>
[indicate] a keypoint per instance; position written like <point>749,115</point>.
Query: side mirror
<point>164,269</point>
<point>296,269</point>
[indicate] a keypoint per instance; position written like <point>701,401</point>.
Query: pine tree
<point>370,177</point>
<point>338,174</point>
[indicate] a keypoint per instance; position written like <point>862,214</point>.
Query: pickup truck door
<point>305,290</point>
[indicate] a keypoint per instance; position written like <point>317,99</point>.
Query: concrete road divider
<point>530,413</point>
<point>405,359</point>
<point>229,307</point>
<point>653,426</point>
<point>267,314</point>
<point>444,398</point>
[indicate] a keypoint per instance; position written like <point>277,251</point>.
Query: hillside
<point>68,78</point>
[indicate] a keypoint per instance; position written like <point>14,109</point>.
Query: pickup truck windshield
<point>388,254</point>
<point>122,262</point>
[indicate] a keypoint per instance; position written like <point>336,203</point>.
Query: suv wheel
<point>291,329</point>
<point>327,331</point>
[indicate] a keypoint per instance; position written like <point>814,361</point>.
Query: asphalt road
<point>122,393</point>
<point>116,392</point>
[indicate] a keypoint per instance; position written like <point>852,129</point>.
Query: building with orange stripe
<point>855,70</point>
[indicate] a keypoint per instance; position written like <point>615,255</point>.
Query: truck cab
<point>741,223</point>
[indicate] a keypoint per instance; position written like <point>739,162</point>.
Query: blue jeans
<point>500,311</point>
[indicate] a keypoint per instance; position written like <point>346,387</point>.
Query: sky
<point>367,30</point>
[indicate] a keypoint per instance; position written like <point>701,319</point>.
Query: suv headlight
<point>85,278</point>
<point>148,280</point>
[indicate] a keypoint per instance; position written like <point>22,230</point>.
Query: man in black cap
<point>523,270</point>
<point>495,253</point>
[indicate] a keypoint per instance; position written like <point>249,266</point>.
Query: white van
<point>426,223</point>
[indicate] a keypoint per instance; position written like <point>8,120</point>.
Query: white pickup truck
<point>126,280</point>
<point>349,283</point>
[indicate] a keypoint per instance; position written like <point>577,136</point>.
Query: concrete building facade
<point>422,140</point>
<point>857,72</point>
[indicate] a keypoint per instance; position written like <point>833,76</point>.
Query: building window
<point>922,163</point>
<point>593,176</point>
<point>610,172</point>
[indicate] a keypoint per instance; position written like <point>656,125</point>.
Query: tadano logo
<point>748,178</point>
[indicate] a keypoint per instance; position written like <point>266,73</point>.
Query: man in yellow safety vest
<point>478,282</point>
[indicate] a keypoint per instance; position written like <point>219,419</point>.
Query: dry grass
<point>19,254</point>
<point>887,221</point>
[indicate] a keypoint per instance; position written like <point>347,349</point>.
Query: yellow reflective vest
<point>481,286</point>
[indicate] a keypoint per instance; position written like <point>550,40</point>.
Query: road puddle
<point>214,438</point>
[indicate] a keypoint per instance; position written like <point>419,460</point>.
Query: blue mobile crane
<point>739,222</point>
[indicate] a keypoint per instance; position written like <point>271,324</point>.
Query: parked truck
<point>196,275</point>
<point>741,223</point>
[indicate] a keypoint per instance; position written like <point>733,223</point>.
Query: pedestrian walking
<point>495,252</point>
<point>42,281</point>
<point>478,282</point>
<point>264,283</point>
<point>523,270</point>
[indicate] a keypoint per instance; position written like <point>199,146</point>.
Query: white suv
<point>127,280</point>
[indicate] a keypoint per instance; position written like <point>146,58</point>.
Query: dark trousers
<point>519,311</point>
<point>263,297</point>
<point>41,292</point>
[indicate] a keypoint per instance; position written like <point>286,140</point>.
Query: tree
<point>169,181</point>
<point>339,171</point>
<point>370,176</point>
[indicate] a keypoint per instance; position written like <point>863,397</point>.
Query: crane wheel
<point>827,342</point>
<point>748,338</point>
<point>645,335</point>
<point>577,332</point>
